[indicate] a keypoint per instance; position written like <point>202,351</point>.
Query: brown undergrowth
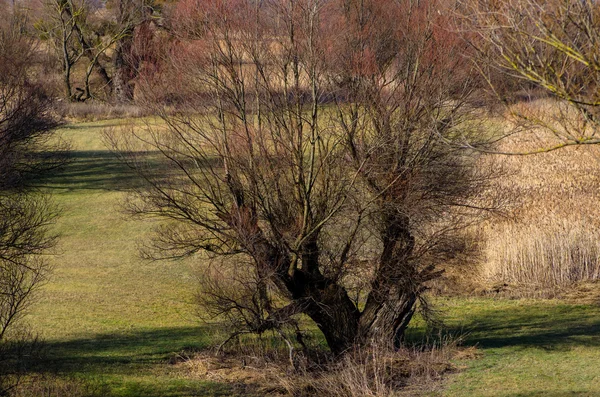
<point>546,241</point>
<point>254,370</point>
<point>94,111</point>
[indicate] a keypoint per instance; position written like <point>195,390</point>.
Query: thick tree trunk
<point>394,292</point>
<point>344,326</point>
<point>328,303</point>
<point>329,306</point>
<point>122,87</point>
<point>388,323</point>
<point>390,305</point>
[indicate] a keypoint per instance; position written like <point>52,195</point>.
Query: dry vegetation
<point>94,111</point>
<point>550,238</point>
<point>263,370</point>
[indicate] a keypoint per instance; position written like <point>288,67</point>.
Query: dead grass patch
<point>94,111</point>
<point>362,372</point>
<point>587,292</point>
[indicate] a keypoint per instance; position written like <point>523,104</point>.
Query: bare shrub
<point>316,153</point>
<point>375,372</point>
<point>26,124</point>
<point>93,111</point>
<point>26,152</point>
<point>361,372</point>
<point>547,45</point>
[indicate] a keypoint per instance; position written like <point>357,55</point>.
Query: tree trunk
<point>391,302</point>
<point>67,71</point>
<point>95,64</point>
<point>122,87</point>
<point>67,81</point>
<point>388,323</point>
<point>328,303</point>
<point>329,306</point>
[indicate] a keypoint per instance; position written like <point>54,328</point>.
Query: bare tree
<point>81,40</point>
<point>552,45</point>
<point>25,214</point>
<point>61,29</point>
<point>307,162</point>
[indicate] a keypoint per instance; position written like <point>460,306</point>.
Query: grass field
<point>106,315</point>
<point>528,348</point>
<point>113,320</point>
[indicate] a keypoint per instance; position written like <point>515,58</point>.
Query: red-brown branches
<point>313,154</point>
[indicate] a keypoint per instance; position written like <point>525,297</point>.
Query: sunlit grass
<point>107,315</point>
<point>528,348</point>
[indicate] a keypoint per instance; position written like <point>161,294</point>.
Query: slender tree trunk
<point>95,64</point>
<point>66,65</point>
<point>67,78</point>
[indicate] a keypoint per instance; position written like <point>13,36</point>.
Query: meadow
<point>116,325</point>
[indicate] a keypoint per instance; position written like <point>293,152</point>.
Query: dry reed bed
<point>550,237</point>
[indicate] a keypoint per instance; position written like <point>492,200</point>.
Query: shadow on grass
<point>142,347</point>
<point>100,124</point>
<point>103,170</point>
<point>560,327</point>
<point>536,325</point>
<point>96,169</point>
<point>133,364</point>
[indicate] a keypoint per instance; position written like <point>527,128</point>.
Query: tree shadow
<point>560,327</point>
<point>110,350</point>
<point>104,170</point>
<point>539,325</point>
<point>122,360</point>
<point>96,169</point>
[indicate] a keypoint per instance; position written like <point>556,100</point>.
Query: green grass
<point>110,318</point>
<point>106,315</point>
<point>528,348</point>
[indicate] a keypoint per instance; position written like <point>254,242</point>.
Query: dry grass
<point>555,255</point>
<point>551,237</point>
<point>372,372</point>
<point>94,111</point>
<point>363,372</point>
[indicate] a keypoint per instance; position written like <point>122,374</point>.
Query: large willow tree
<point>312,160</point>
